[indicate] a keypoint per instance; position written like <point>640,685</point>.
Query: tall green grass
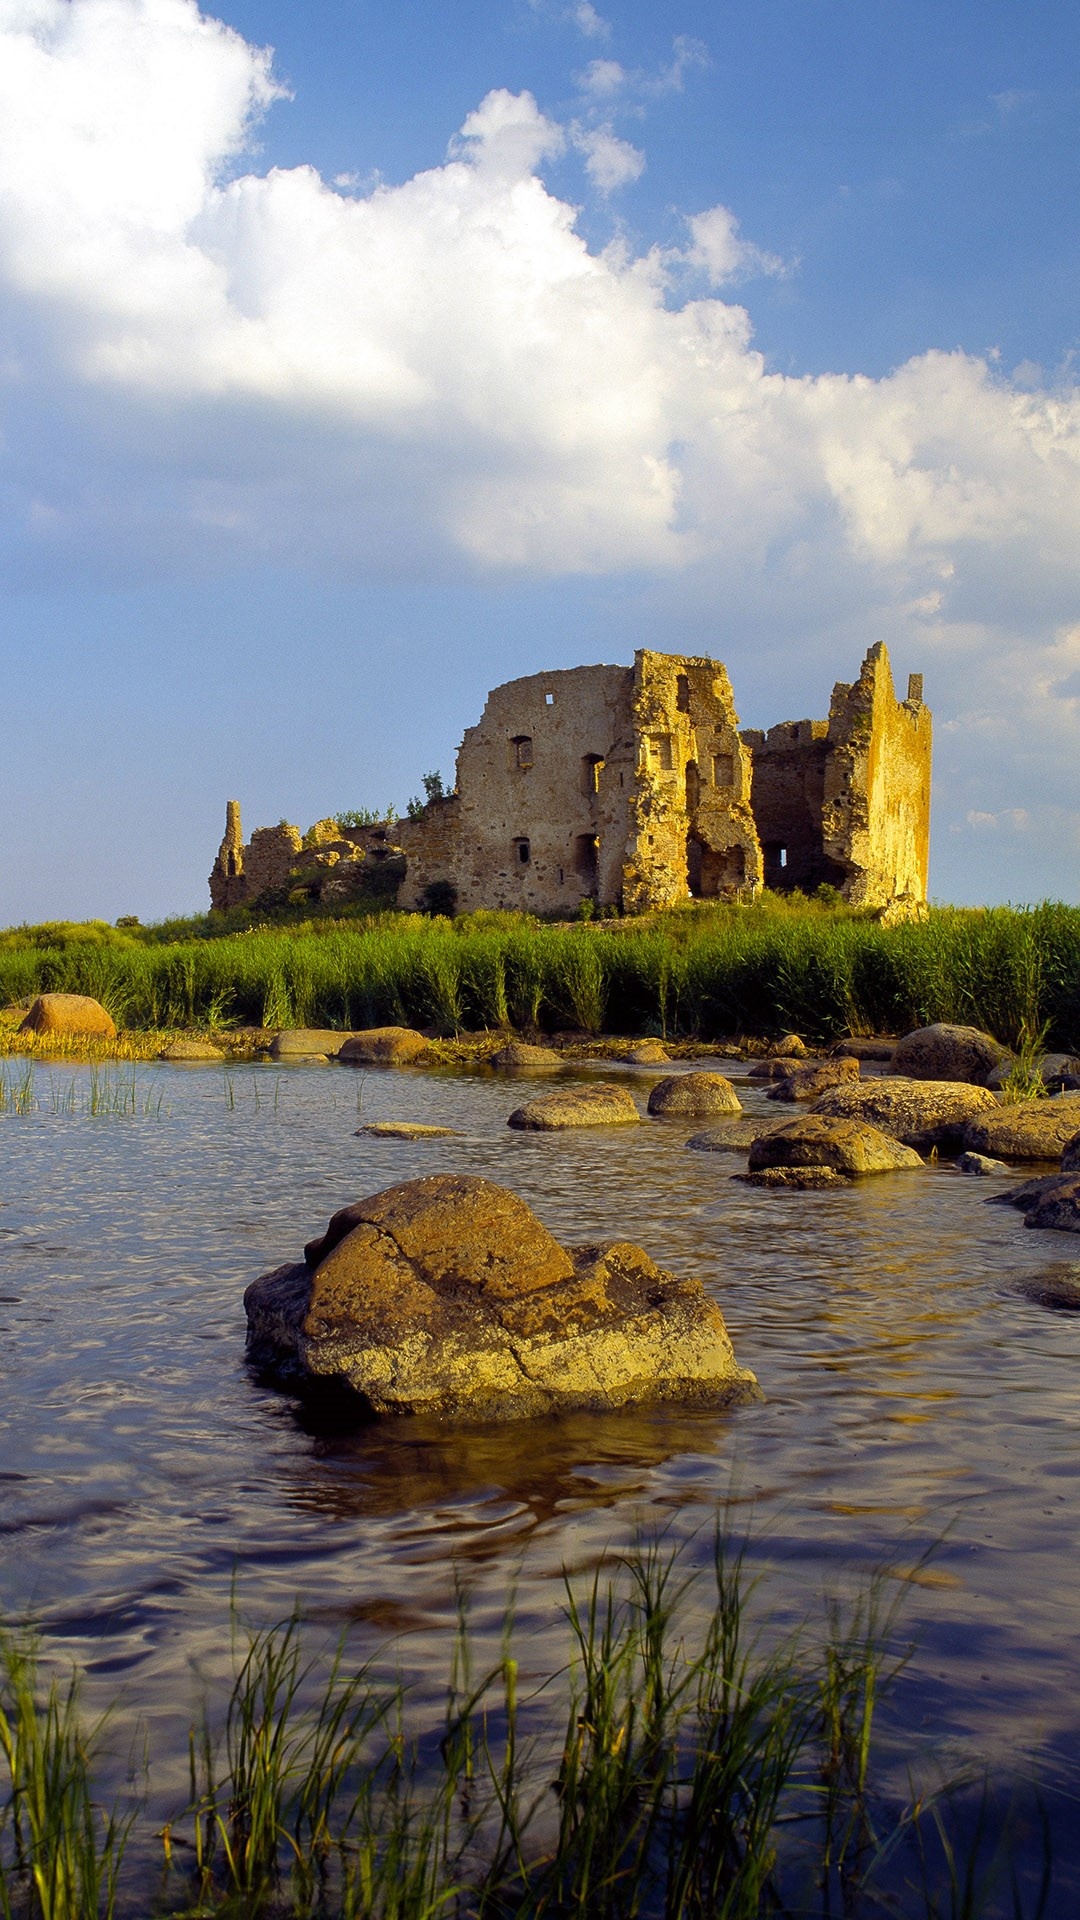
<point>697,1771</point>
<point>706,973</point>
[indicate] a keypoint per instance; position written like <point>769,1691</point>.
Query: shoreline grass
<point>682,1766</point>
<point>701,973</point>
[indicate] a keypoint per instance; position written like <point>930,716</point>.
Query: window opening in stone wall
<point>591,767</point>
<point>587,858</point>
<point>549,699</point>
<point>693,786</point>
<point>658,748</point>
<point>723,770</point>
<point>522,849</point>
<point>521,750</point>
<point>232,866</point>
<point>560,876</point>
<point>711,874</point>
<point>682,693</point>
<point>783,856</point>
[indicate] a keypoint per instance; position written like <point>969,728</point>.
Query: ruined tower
<point>229,865</point>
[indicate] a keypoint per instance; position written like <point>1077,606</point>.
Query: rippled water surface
<point>915,1397</point>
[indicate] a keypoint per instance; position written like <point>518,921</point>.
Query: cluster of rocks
<point>447,1296</point>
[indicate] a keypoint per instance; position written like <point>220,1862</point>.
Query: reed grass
<point>705,1770</point>
<point>709,973</point>
<point>706,974</point>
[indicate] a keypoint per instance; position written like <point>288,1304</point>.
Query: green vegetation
<point>679,1768</point>
<point>705,972</point>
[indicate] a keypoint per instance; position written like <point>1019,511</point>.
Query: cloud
<point>717,249</point>
<point>208,366</point>
<point>581,14</point>
<point>603,79</point>
<point>609,161</point>
<point>239,339</point>
<point>589,22</point>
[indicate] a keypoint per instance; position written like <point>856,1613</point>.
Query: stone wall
<point>538,820</point>
<point>876,812</point>
<point>691,826</point>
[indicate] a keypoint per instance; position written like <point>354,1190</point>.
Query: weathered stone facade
<point>633,787</point>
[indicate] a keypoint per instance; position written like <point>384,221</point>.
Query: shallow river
<point>915,1398</point>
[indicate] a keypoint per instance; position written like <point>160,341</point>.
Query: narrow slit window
<point>521,849</point>
<point>521,750</point>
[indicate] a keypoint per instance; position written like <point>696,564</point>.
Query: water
<point>916,1399</point>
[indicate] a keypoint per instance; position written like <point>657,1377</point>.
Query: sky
<point>355,358</point>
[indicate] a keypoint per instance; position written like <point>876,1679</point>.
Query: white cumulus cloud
<point>719,250</point>
<point>609,161</point>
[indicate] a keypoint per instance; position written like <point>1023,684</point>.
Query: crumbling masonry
<point>633,787</point>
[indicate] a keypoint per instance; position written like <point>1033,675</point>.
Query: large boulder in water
<point>69,1013</point>
<point>946,1052</point>
<point>1027,1129</point>
<point>922,1113</point>
<point>848,1146</point>
<point>447,1296</point>
<point>601,1105</point>
<point>693,1093</point>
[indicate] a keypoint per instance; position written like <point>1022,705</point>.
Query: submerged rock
<point>600,1105</point>
<point>1027,1129</point>
<point>848,1146</point>
<point>68,1013</point>
<point>405,1130</point>
<point>1058,1290</point>
<point>808,1083</point>
<point>800,1179</point>
<point>383,1047</point>
<point>447,1296</point>
<point>736,1136</point>
<point>921,1113</point>
<point>946,1052</point>
<point>980,1163</point>
<point>690,1093</point>
<point>646,1053</point>
<point>191,1049</point>
<point>301,1043</point>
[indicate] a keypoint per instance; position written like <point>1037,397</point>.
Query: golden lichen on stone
<point>448,1296</point>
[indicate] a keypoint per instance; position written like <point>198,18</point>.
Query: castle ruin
<point>634,788</point>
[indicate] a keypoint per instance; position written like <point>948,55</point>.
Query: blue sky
<point>454,343</point>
